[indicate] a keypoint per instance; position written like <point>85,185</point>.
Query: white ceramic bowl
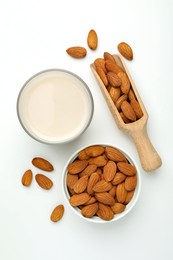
<point>129,206</point>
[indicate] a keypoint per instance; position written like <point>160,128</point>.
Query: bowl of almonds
<point>101,183</point>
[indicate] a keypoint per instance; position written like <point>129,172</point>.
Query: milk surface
<point>55,106</point>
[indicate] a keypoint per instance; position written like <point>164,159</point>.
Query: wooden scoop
<point>150,160</point>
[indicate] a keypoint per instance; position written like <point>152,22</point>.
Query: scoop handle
<point>150,159</point>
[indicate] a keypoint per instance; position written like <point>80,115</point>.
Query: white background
<point>34,35</point>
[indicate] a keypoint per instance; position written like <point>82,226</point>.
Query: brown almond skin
<point>120,100</point>
<point>108,56</point>
<point>100,62</point>
<point>119,177</point>
<point>125,50</point>
<point>114,154</point>
<point>77,166</point>
<point>79,199</point>
<point>95,150</point>
<point>125,82</point>
<point>27,178</point>
<point>102,186</point>
<point>42,164</point>
<point>128,110</point>
<point>92,39</point>
<point>114,93</point>
<point>126,168</point>
<point>90,210</point>
<point>94,178</point>
<point>137,108</point>
<point>109,171</point>
<point>105,198</point>
<point>118,208</point>
<point>121,192</point>
<point>102,75</point>
<point>105,212</point>
<point>71,180</point>
<point>113,79</point>
<point>43,181</point>
<point>57,213</point>
<point>124,118</point>
<point>81,184</point>
<point>129,197</point>
<point>77,52</point>
<point>112,66</point>
<point>130,183</point>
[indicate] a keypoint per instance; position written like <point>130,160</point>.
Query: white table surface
<point>34,36</point>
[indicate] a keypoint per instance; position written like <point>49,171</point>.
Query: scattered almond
<point>57,213</point>
<point>43,181</point>
<point>125,50</point>
<point>77,52</point>
<point>90,210</point>
<point>27,178</point>
<point>92,39</point>
<point>42,164</point>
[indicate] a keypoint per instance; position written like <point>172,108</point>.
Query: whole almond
<point>114,154</point>
<point>82,155</point>
<point>119,177</point>
<point>114,93</point>
<point>124,118</point>
<point>100,62</point>
<point>121,192</point>
<point>125,50</point>
<point>81,184</point>
<point>137,108</point>
<point>128,110</point>
<point>90,210</point>
<point>94,150</point>
<point>112,66</point>
<point>131,94</point>
<point>130,183</point>
<point>43,181</point>
<point>113,191</point>
<point>100,161</point>
<point>113,79</point>
<point>102,186</point>
<point>77,166</point>
<point>120,100</point>
<point>105,212</point>
<point>94,178</point>
<point>118,208</point>
<point>126,168</point>
<point>129,197</point>
<point>71,180</point>
<point>125,83</point>
<point>91,201</point>
<point>57,213</point>
<point>92,39</point>
<point>88,170</point>
<point>108,56</point>
<point>102,75</point>
<point>105,198</point>
<point>42,164</point>
<point>77,52</point>
<point>79,199</point>
<point>27,178</point>
<point>109,171</point>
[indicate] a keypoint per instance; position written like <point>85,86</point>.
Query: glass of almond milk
<point>55,106</point>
